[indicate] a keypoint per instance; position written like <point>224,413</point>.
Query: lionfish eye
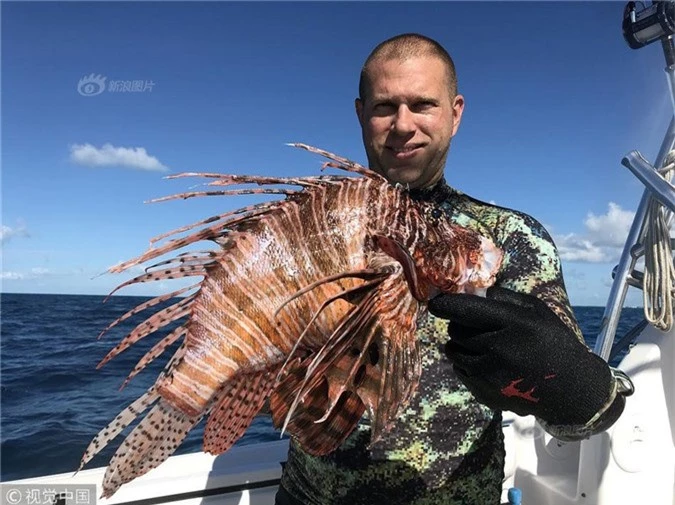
<point>436,214</point>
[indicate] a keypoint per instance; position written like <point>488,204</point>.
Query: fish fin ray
<point>156,350</point>
<point>372,354</point>
<point>320,437</point>
<point>115,427</point>
<point>145,305</point>
<point>366,273</point>
<point>237,405</point>
<point>169,273</point>
<point>336,344</point>
<point>148,445</point>
<point>394,372</point>
<point>347,294</point>
<point>317,438</point>
<point>153,323</point>
<point>340,162</point>
<point>225,219</point>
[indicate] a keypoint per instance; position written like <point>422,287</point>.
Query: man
<point>518,349</point>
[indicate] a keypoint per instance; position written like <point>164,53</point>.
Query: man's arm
<point>521,348</point>
<point>530,245</point>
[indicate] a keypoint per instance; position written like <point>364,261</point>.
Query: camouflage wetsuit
<point>446,448</point>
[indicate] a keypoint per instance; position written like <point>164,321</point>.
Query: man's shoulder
<point>502,221</point>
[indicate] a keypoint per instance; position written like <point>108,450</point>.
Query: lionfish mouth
<point>483,276</point>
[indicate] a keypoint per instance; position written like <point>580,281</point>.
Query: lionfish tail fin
<point>150,443</point>
<point>116,426</point>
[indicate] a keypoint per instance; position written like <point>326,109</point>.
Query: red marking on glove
<point>549,376</point>
<point>512,390</point>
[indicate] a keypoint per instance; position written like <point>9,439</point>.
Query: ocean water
<point>53,400</point>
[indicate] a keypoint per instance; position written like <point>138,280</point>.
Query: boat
<point>632,462</point>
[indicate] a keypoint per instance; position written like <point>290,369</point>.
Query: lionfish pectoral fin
<point>394,364</point>
<point>238,403</point>
<point>352,295</point>
<point>321,438</point>
<point>370,361</point>
<point>280,399</point>
<point>366,274</point>
<point>397,251</point>
<point>354,366</point>
<point>388,394</point>
<point>314,437</point>
<point>305,383</point>
<point>348,329</point>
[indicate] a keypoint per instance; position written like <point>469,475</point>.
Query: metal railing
<point>656,186</point>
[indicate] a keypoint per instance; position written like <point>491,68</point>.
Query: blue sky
<point>554,99</point>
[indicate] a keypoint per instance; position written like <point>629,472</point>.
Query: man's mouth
<point>405,152</point>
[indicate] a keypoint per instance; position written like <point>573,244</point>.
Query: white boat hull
<point>247,475</point>
<point>633,462</point>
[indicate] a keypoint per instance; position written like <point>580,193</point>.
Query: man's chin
<point>406,176</point>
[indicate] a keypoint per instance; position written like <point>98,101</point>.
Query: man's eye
<point>421,106</point>
<point>384,107</point>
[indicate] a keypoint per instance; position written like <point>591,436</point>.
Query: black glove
<point>513,353</point>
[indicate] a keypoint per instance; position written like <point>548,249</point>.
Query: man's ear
<point>358,106</point>
<point>457,110</point>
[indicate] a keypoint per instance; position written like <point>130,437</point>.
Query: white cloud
<point>12,276</point>
<point>7,232</point>
<point>612,228</point>
<point>602,240</point>
<point>33,273</point>
<point>573,247</point>
<point>109,155</point>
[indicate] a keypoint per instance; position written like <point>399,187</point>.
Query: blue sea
<point>54,400</point>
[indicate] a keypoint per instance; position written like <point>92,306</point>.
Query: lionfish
<point>310,302</point>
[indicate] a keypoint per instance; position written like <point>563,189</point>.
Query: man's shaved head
<point>404,46</point>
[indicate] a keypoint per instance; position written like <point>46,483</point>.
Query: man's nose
<point>404,120</point>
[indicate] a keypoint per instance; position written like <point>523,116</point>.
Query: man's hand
<point>513,353</point>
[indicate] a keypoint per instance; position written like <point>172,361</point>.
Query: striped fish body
<point>233,325</point>
<point>311,302</point>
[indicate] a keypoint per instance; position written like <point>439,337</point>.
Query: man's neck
<point>436,192</point>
